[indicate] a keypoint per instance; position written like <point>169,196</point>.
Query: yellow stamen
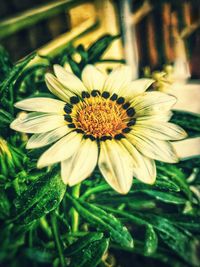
<point>99,117</point>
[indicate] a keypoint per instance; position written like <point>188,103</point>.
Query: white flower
<point>106,120</point>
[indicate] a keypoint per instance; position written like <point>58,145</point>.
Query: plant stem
<point>30,238</point>
<point>45,227</point>
<point>111,60</point>
<point>74,213</point>
<point>96,189</point>
<point>57,239</point>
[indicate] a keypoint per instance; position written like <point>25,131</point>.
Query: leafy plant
<point>43,223</point>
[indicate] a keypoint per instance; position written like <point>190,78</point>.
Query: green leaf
<point>134,198</point>
<point>132,217</point>
<point>97,49</point>
<point>172,172</point>
<point>151,241</point>
<point>165,197</point>
<point>31,75</point>
<point>91,255</point>
<point>6,87</point>
<point>188,222</point>
<point>189,121</point>
<point>140,204</point>
<point>104,221</point>
<point>5,64</point>
<point>40,198</point>
<point>166,184</point>
<point>38,255</point>
<point>74,66</point>
<point>189,165</point>
<point>83,54</point>
<point>161,183</point>
<point>5,118</point>
<point>82,242</point>
<point>183,244</point>
<point>4,205</point>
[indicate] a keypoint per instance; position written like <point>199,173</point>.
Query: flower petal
<point>145,169</point>
<point>81,164</point>
<point>69,80</point>
<point>118,79</point>
<point>137,87</point>
<point>151,103</point>
<point>44,139</point>
<point>160,130</point>
<point>152,148</point>
<point>164,116</point>
<point>61,150</point>
<point>37,122</point>
<point>57,88</point>
<point>116,166</point>
<point>93,78</point>
<point>41,104</point>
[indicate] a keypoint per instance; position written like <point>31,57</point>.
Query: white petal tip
<point>150,182</point>
<point>71,183</point>
<point>176,160</point>
<point>16,105</point>
<point>184,134</point>
<point>57,67</point>
<point>48,76</point>
<point>41,164</point>
<point>29,146</point>
<point>65,181</point>
<point>123,192</point>
<point>13,126</point>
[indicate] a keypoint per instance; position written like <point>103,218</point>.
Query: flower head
<point>106,120</point>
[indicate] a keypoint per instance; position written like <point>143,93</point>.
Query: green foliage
<point>151,241</point>
<point>41,197</point>
<point>7,86</point>
<point>104,221</point>
<point>188,121</point>
<point>91,255</point>
<point>38,212</point>
<point>91,55</point>
<point>87,251</point>
<point>5,64</point>
<point>97,49</point>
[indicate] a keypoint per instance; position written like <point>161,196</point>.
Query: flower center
<point>100,116</point>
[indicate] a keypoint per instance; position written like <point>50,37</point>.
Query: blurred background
<point>154,32</point>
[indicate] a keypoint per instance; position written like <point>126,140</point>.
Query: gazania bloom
<point>106,120</point>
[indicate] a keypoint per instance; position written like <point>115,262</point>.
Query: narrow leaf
<point>91,255</point>
<point>5,64</point>
<point>173,173</point>
<point>188,121</point>
<point>82,242</point>
<point>165,197</point>
<point>104,221</point>
<point>97,49</point>
<point>41,197</point>
<point>151,241</point>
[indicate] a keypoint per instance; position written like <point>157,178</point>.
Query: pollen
<point>100,117</point>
